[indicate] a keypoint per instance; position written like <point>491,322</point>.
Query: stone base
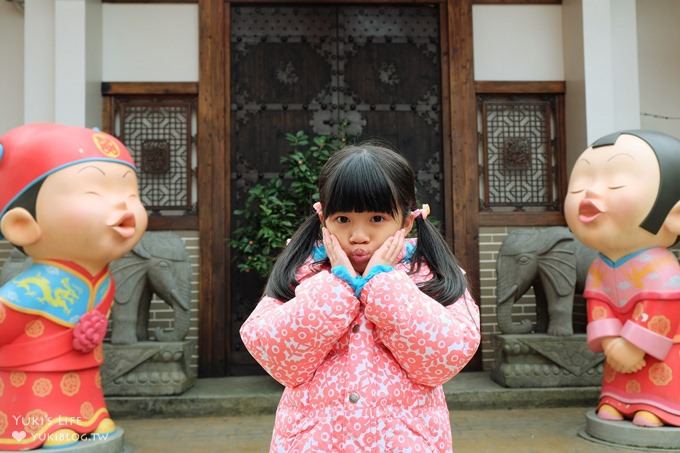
<point>625,434</point>
<point>107,443</point>
<point>540,360</point>
<point>149,368</point>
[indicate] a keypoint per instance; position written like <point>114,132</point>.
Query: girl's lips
<point>360,256</point>
<point>589,210</point>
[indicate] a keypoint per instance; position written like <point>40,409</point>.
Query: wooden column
<point>213,186</point>
<point>463,139</point>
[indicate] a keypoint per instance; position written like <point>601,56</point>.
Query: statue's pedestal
<point>102,443</point>
<point>149,368</point>
<point>540,360</point>
<point>625,434</point>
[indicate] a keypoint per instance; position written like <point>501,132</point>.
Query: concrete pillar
<point>610,62</point>
<point>63,61</point>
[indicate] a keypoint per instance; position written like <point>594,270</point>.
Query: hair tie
<point>317,208</point>
<point>423,212</point>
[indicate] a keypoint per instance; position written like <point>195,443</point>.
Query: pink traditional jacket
<point>362,373</point>
<point>638,298</point>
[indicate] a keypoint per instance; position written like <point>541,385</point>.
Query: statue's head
<point>624,193</point>
<point>69,193</point>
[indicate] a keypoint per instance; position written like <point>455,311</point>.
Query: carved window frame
<point>548,96</point>
<point>117,96</point>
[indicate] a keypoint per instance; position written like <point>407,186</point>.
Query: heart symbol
<point>19,435</point>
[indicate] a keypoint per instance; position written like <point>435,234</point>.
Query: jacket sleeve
<point>432,343</point>
<point>290,340</point>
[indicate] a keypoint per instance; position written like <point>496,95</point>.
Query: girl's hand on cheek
<point>336,255</point>
<point>388,252</point>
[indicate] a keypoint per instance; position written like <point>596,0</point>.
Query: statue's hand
<point>623,356</point>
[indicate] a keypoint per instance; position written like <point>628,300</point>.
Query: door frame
<point>459,139</point>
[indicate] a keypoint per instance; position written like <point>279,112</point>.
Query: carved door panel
<point>308,68</point>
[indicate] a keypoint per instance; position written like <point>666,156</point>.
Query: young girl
<point>365,326</point>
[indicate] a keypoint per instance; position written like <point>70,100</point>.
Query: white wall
<point>144,43</point>
<point>659,60</point>
<point>518,42</point>
<point>575,101</point>
<point>12,74</point>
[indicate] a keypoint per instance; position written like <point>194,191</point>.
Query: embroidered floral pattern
<point>34,420</point>
<point>362,374</point>
<point>70,384</point>
<point>638,312</point>
<point>598,313</point>
<point>42,387</point>
<point>34,328</point>
<point>87,410</point>
<point>660,324</point>
<point>17,378</point>
<point>660,374</point>
<point>633,386</point>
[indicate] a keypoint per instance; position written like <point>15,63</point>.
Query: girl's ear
<point>20,228</point>
<point>408,223</point>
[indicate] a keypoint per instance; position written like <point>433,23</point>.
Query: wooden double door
<point>379,69</point>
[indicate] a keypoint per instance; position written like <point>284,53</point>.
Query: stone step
<point>258,395</point>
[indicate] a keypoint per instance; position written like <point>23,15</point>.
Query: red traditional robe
<point>638,298</point>
<point>45,384</point>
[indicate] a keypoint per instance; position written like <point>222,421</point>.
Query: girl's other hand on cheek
<point>336,255</point>
<point>388,252</point>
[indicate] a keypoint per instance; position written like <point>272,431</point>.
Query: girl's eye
<point>90,192</point>
<point>576,191</point>
<point>342,219</point>
<point>616,187</point>
<point>377,218</point>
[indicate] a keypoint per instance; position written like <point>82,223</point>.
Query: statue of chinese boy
<point>69,200</point>
<point>624,201</point>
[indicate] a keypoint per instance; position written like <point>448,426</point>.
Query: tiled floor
<point>497,431</point>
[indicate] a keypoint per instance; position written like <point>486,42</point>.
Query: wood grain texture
<point>213,203</point>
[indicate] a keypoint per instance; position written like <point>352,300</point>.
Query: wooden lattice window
<point>157,122</point>
<point>521,152</point>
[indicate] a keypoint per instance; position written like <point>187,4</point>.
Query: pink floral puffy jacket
<point>362,374</point>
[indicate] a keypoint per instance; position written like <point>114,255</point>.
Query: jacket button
<point>353,398</point>
<point>355,329</point>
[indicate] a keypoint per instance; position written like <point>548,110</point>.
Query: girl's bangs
<point>360,185</point>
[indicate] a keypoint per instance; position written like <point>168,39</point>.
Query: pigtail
<point>448,282</point>
<point>281,284</point>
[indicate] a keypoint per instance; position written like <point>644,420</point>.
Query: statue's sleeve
<point>290,340</point>
<point>653,326</point>
<point>602,323</point>
<point>431,342</point>
<point>12,324</point>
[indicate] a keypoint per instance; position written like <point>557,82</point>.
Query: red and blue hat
<point>30,153</point>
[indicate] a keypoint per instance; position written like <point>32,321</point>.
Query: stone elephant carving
<point>158,264</point>
<point>551,260</point>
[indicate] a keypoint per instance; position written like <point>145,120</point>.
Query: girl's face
<point>361,233</point>
<point>611,191</point>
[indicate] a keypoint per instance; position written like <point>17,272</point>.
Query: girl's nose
<point>358,236</point>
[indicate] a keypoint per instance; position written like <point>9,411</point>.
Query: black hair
<point>667,152</point>
<point>368,177</point>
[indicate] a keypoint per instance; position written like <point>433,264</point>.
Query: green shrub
<point>275,208</point>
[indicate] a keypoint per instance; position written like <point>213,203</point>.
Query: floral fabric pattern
<point>362,374</point>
